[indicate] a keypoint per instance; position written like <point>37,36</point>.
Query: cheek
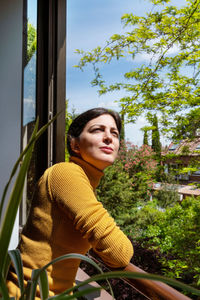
<point>87,146</point>
<point>117,146</point>
<point>116,150</point>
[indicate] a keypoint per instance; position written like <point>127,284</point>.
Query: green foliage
<point>115,190</point>
<point>174,231</point>
<point>122,133</point>
<point>31,42</point>
<point>168,80</point>
<point>127,183</point>
<point>178,167</point>
<point>164,223</point>
<point>156,145</point>
<point>69,117</point>
<point>167,196</point>
<point>8,217</point>
<point>39,276</point>
<point>186,127</point>
<point>68,121</point>
<point>185,150</point>
<point>145,138</point>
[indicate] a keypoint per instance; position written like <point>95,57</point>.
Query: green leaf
<point>6,266</point>
<point>70,256</point>
<point>77,294</point>
<point>13,203</point>
<point>16,194</point>
<point>34,282</point>
<point>14,170</point>
<point>44,285</point>
<point>17,262</point>
<point>123,274</point>
<point>35,136</point>
<point>3,288</point>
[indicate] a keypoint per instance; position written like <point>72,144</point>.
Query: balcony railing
<point>153,289</point>
<point>150,289</point>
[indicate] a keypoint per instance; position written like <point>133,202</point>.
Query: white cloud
<point>29,101</point>
<point>145,57</point>
<point>108,104</point>
<point>29,110</point>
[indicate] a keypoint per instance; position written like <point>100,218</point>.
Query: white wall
<point>11,21</point>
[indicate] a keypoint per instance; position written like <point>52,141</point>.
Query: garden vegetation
<point>159,221</point>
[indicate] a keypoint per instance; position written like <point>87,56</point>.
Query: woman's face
<point>98,144</point>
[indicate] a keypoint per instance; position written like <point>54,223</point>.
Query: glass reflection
<point>29,103</point>
<point>29,99</point>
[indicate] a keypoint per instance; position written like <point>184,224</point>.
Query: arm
<point>72,191</point>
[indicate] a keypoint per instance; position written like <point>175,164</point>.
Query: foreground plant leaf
<point>17,262</point>
<point>13,203</point>
<point>71,256</point>
<point>125,274</point>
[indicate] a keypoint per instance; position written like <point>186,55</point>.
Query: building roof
<point>185,147</point>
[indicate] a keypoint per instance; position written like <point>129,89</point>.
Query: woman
<point>65,216</point>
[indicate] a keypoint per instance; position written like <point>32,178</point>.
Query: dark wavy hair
<point>80,122</point>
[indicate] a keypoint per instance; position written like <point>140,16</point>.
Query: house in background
<point>182,155</point>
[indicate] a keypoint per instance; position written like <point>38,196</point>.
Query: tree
<point>169,81</point>
<point>187,127</point>
<point>128,183</point>
<point>68,121</point>
<point>145,131</point>
<point>122,133</point>
<point>145,138</point>
<point>31,42</point>
<point>156,145</point>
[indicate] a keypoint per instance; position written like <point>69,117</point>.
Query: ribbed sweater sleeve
<point>70,187</point>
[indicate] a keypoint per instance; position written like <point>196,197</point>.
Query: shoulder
<point>66,173</point>
<point>65,169</point>
<point>66,178</point>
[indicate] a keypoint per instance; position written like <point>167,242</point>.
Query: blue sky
<point>89,24</point>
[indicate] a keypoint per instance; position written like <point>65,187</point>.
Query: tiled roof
<point>185,147</point>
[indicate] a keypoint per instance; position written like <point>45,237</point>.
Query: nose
<point>107,138</point>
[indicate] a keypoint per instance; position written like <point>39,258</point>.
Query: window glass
<point>29,103</point>
<point>198,147</point>
<point>173,147</point>
<point>197,173</point>
<point>29,97</point>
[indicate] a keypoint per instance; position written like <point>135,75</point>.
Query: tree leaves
<point>168,79</point>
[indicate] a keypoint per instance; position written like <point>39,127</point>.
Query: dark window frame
<point>50,85</point>
<point>51,81</point>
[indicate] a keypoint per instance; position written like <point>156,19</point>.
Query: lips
<point>107,150</point>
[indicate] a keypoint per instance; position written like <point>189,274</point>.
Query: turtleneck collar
<point>92,172</point>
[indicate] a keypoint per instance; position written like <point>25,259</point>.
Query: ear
<point>75,146</point>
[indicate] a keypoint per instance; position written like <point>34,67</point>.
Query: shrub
<point>128,183</point>
<point>175,232</point>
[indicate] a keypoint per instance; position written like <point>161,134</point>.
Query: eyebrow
<point>102,125</point>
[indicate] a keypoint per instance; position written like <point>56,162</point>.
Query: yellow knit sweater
<point>66,217</point>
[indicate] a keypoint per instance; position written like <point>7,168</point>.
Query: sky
<point>89,24</point>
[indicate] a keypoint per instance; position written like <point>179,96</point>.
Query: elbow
<point>126,256</point>
<point>120,257</point>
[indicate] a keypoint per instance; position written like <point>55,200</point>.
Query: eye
<point>115,133</point>
<point>96,129</point>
